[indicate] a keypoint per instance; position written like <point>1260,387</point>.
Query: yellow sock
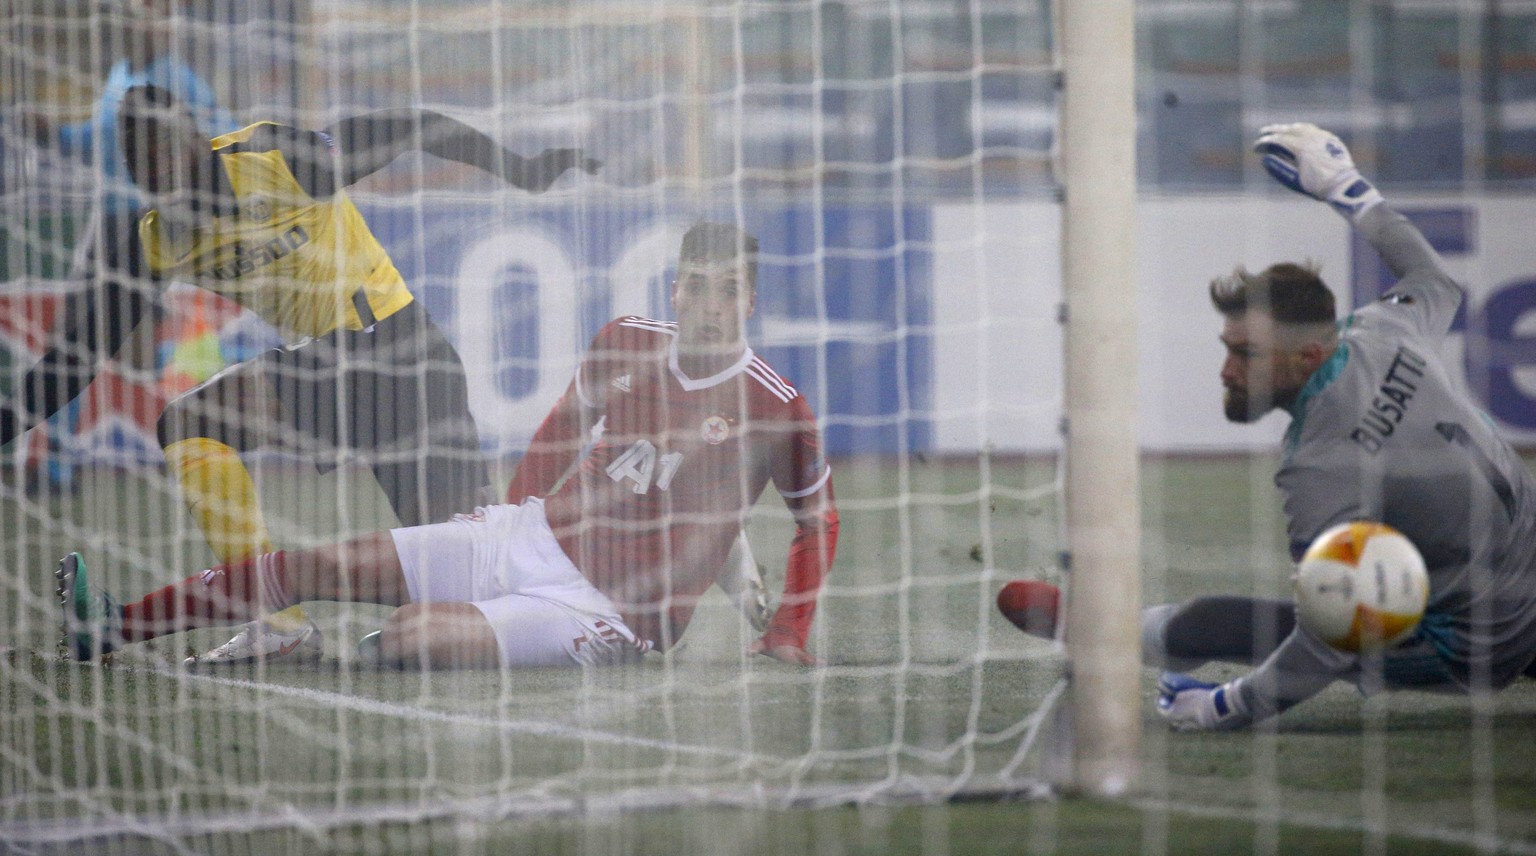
<point>222,498</point>
<point>287,620</point>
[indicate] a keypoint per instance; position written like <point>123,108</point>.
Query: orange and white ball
<point>1361,586</point>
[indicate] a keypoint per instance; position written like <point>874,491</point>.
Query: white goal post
<point>1103,514</point>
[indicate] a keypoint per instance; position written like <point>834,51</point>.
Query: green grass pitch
<point>706,751</point>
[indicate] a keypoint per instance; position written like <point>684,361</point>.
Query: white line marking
<point>1462,838</point>
<point>332,701</point>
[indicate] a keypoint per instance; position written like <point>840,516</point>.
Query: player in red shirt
<point>687,426</point>
<point>673,430</point>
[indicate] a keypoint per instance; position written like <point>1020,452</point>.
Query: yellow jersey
<point>305,265</point>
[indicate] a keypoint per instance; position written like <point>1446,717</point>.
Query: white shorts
<point>505,560</point>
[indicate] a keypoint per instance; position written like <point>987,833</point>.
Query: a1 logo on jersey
<point>643,465</point>
<point>715,430</point>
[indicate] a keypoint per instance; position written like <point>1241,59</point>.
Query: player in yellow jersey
<point>261,217</point>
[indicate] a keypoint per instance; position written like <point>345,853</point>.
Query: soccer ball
<point>1361,586</point>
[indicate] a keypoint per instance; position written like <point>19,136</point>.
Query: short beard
<point>1239,407</point>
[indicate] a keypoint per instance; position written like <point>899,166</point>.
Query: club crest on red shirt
<point>715,430</point>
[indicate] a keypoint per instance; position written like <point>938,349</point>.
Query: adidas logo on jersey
<point>623,383</point>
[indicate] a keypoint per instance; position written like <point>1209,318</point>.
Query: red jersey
<point>673,469</point>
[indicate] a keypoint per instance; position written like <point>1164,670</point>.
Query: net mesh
<point>860,142</point>
<point>897,162</point>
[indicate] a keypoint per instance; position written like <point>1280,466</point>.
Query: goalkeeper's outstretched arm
<point>1316,163</point>
<point>368,143</point>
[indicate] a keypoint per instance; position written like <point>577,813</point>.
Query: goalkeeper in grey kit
<point>1379,431</point>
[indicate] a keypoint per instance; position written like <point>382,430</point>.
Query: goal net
<point>868,146</point>
<point>912,171</point>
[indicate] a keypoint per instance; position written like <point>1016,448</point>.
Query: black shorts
<point>393,397</point>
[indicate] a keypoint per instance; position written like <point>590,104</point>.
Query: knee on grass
<point>438,636</point>
<point>1233,629</point>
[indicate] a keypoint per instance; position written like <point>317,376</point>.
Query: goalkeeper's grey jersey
<point>1382,431</point>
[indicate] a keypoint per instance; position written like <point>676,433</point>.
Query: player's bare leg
<point>433,636</point>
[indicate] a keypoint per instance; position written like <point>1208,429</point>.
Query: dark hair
<point>1289,293</point>
<point>719,242</point>
<point>146,98</point>
<point>146,107</point>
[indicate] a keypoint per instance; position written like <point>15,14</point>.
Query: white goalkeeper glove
<point>1193,705</point>
<point>1310,160</point>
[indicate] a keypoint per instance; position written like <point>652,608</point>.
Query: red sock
<point>224,594</point>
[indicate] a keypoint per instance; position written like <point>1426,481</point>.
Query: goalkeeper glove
<point>1192,705</point>
<point>1310,160</point>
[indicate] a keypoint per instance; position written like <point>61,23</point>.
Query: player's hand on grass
<point>1189,704</point>
<point>1310,160</point>
<point>784,652</point>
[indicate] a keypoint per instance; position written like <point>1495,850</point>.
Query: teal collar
<point>1326,374</point>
